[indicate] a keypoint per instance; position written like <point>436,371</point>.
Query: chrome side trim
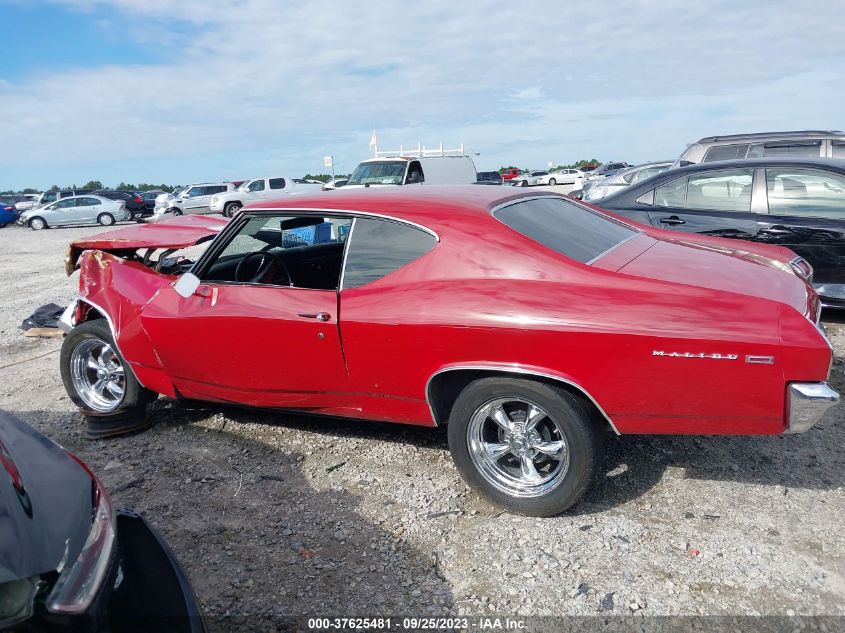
<point>512,370</point>
<point>344,212</point>
<point>112,328</point>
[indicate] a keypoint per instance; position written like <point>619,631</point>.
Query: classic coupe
<point>798,203</point>
<point>528,323</point>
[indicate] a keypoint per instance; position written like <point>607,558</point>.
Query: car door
<point>807,214</point>
<point>258,189</point>
<point>258,340</point>
<point>711,202</point>
<point>87,209</point>
<point>194,200</point>
<point>62,212</point>
<point>276,187</point>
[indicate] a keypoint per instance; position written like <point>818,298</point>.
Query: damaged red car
<point>530,324</point>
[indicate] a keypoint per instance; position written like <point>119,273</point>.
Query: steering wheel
<point>269,264</point>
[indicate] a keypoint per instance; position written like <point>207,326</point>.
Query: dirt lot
<point>274,514</point>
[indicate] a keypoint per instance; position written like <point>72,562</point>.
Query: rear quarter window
<point>565,227</point>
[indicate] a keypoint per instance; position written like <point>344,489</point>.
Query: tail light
<point>79,583</point>
<point>137,200</point>
<point>802,268</point>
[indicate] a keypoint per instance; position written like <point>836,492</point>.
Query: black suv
<point>132,201</point>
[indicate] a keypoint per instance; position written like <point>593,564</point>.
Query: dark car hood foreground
<point>45,503</point>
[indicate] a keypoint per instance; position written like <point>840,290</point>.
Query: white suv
<point>230,202</point>
<point>192,199</point>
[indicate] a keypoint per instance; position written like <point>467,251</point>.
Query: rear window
<point>565,227</point>
<point>726,152</point>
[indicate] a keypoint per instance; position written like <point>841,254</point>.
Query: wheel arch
<point>443,387</point>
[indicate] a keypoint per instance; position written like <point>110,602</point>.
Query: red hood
<point>179,232</point>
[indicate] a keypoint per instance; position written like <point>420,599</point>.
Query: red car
<point>531,324</point>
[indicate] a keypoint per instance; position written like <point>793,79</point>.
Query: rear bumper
<point>807,403</point>
<point>154,593</point>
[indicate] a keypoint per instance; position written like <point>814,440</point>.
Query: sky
<point>179,91</point>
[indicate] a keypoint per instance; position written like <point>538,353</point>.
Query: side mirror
<point>186,285</point>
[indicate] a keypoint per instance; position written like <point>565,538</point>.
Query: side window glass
<point>728,190</point>
<point>194,192</point>
<point>258,185</point>
<point>67,203</point>
<point>277,183</point>
<point>726,152</point>
<point>838,149</point>
<point>672,194</point>
<point>804,148</point>
<point>807,192</point>
<point>415,173</point>
<point>379,247</point>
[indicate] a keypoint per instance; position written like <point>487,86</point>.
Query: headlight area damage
<point>141,243</point>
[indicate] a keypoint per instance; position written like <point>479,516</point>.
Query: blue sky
<point>197,90</point>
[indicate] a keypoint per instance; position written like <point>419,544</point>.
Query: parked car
<point>797,203</point>
<point>335,183</point>
<point>192,199</point>
<point>531,178</point>
<point>8,213</point>
<point>70,561</point>
<point>510,173</point>
<point>149,198</point>
<point>230,202</point>
<point>565,176</point>
<point>133,202</point>
<point>806,143</point>
<point>488,178</point>
<point>624,178</point>
<point>51,196</point>
<point>393,310</point>
<point>413,170</point>
<point>27,201</point>
<point>76,210</point>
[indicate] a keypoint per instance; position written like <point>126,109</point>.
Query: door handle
<point>672,219</point>
<point>320,316</point>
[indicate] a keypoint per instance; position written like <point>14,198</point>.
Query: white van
<point>414,167</point>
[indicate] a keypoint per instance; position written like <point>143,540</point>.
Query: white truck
<point>414,166</point>
<point>230,202</point>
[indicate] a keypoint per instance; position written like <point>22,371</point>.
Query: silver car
<point>192,199</point>
<point>624,178</point>
<point>75,210</point>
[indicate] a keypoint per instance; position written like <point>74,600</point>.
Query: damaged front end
<point>149,244</point>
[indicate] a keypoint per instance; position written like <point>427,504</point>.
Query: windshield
<point>244,185</point>
<point>379,173</point>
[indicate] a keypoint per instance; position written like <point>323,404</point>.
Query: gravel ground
<point>275,515</point>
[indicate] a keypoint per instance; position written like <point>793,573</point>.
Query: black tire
<point>105,219</point>
<point>37,223</point>
<point>176,211</point>
<point>132,413</point>
<point>582,432</point>
<point>231,209</point>
<point>524,183</point>
<point>130,215</point>
<point>552,182</point>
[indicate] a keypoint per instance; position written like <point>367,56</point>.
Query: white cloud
<point>262,85</point>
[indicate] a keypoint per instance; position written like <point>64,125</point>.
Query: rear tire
<point>37,223</point>
<point>536,470</point>
<point>552,182</point>
<point>105,219</point>
<point>101,383</point>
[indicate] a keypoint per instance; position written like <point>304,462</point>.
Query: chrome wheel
<point>232,209</point>
<point>518,447</point>
<point>37,224</point>
<point>98,375</point>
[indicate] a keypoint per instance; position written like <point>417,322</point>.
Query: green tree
<point>93,184</point>
<point>53,188</point>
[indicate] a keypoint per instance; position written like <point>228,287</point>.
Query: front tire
<point>176,211</point>
<point>552,182</point>
<point>105,219</point>
<point>530,447</point>
<point>37,223</point>
<point>101,383</point>
<point>231,209</point>
<point>524,183</point>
